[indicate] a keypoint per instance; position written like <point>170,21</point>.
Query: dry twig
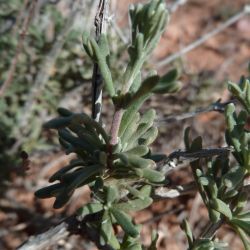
<point>204,38</point>
<point>217,107</point>
<point>70,225</point>
<point>101,22</point>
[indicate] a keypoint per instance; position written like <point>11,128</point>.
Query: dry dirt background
<point>205,72</point>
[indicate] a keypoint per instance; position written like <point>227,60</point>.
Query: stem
<point>132,70</point>
<point>194,166</point>
<point>216,107</point>
<point>211,229</point>
<point>97,81</point>
<point>115,126</point>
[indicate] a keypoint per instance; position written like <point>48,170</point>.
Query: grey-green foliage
<point>120,176</point>
<point>36,45</point>
<point>221,184</point>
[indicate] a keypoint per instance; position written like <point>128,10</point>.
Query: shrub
<point>119,165</point>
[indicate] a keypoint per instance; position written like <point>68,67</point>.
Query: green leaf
<point>140,150</point>
<point>244,237</point>
<point>106,229</point>
<point>244,216</point>
<point>221,207</point>
<point>243,224</point>
<point>130,243</point>
<point>214,215</point>
<point>113,242</point>
<point>102,157</point>
<point>94,128</point>
<point>152,175</point>
<point>148,117</point>
<point>134,205</point>
<point>147,85</point>
<point>136,161</point>
<point>203,244</point>
<point>234,89</point>
<point>75,141</point>
<point>146,190</point>
<point>62,171</point>
<point>90,208</point>
<point>204,180</point>
<point>136,83</point>
<point>196,144</point>
<point>134,191</point>
<point>130,130</point>
<point>64,112</point>
<point>128,115</point>
<point>168,83</point>
<point>208,244</point>
<point>149,137</point>
<point>170,76</point>
<point>229,194</point>
<point>139,44</point>
<point>122,101</point>
<point>86,135</point>
<point>186,138</point>
<point>62,199</point>
<point>242,200</point>
<point>104,45</point>
<point>112,194</point>
<point>125,222</point>
<point>58,123</point>
<point>78,178</point>
<point>105,71</point>
<point>49,191</point>
<point>145,123</point>
<point>87,45</point>
<point>212,187</point>
<point>188,231</point>
<point>234,177</point>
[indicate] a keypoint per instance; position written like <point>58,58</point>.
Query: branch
<point>160,215</point>
<point>178,157</point>
<point>211,229</point>
<point>117,118</point>
<point>204,38</point>
<point>19,47</point>
<point>161,193</point>
<point>44,240</point>
<point>70,225</point>
<point>101,22</point>
<point>217,107</point>
<point>203,153</point>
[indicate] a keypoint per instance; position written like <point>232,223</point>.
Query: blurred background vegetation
<point>42,41</point>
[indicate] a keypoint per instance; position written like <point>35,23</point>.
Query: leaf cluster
<point>220,182</point>
<point>120,175</point>
<point>119,166</point>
